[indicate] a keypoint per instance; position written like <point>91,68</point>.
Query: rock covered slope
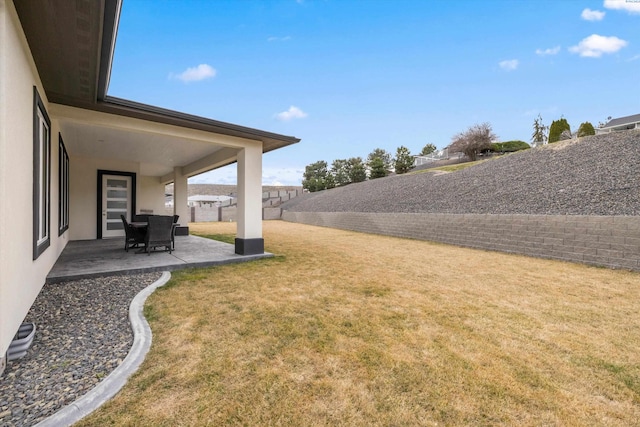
<point>596,175</point>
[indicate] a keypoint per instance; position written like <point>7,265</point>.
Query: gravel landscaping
<point>596,175</point>
<point>82,334</point>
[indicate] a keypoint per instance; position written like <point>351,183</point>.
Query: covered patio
<point>82,259</point>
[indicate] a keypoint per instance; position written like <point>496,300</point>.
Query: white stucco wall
<point>250,192</point>
<point>21,278</point>
<point>84,193</point>
<point>150,194</point>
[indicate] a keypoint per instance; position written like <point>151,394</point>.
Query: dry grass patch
<point>343,328</point>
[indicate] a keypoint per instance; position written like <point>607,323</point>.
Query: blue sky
<point>350,76</point>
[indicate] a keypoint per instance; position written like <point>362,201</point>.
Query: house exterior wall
<point>150,195</point>
<point>21,277</point>
<point>83,193</point>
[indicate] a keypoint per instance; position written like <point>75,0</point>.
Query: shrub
<point>556,129</point>
<point>586,129</point>
<point>509,146</point>
<point>473,141</point>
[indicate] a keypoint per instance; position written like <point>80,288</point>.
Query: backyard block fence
<point>228,210</point>
<point>609,241</point>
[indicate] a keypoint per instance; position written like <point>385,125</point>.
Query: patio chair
<point>141,217</point>
<point>159,233</point>
<point>133,236</point>
<point>173,231</point>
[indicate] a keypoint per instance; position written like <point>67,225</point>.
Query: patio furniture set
<point>152,231</point>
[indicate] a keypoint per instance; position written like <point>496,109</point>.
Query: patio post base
<point>249,246</point>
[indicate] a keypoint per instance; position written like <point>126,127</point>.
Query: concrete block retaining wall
<point>213,213</point>
<point>228,213</point>
<point>610,241</point>
<point>204,213</point>
<point>271,213</point>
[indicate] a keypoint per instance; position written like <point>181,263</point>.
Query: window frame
<point>41,176</point>
<point>63,187</point>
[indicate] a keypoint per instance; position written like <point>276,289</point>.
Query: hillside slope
<point>596,175</point>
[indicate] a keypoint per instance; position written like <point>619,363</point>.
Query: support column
<point>249,239</point>
<point>180,197</point>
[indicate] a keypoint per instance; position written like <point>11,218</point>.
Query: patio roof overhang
<point>72,43</point>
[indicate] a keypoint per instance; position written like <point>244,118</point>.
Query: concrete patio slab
<point>93,258</point>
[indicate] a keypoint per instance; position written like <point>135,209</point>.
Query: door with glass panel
<point>116,201</point>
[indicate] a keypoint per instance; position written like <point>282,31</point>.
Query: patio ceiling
<point>158,154</point>
<point>156,146</point>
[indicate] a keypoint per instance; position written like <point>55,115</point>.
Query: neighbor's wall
<point>611,241</point>
<point>21,277</point>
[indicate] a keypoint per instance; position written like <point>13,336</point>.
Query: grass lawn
<point>350,329</point>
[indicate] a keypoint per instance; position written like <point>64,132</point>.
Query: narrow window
<point>41,176</point>
<point>63,187</point>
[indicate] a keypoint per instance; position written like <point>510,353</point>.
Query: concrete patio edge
<point>118,378</point>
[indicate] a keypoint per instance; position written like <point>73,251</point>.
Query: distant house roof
<point>622,123</point>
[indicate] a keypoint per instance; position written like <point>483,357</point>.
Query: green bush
<point>556,129</point>
<point>586,129</point>
<point>509,146</point>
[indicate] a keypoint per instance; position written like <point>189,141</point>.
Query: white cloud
<point>194,74</point>
<point>292,113</point>
<point>282,176</point>
<point>633,58</point>
<point>595,46</point>
<point>228,175</point>
<point>509,65</point>
<point>592,15</point>
<point>549,51</point>
<point>279,39</point>
<point>631,6</point>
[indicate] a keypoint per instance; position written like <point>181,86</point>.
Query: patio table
<point>143,225</point>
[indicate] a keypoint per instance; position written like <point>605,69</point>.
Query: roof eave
<point>110,24</point>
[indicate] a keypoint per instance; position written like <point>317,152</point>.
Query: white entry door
<point>116,201</point>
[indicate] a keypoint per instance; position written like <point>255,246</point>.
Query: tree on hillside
<point>356,169</point>
<point>586,129</point>
<point>377,169</point>
<point>556,129</point>
<point>316,177</point>
<point>340,172</point>
<point>404,160</point>
<point>379,163</point>
<point>473,141</point>
<point>539,136</point>
<point>428,149</point>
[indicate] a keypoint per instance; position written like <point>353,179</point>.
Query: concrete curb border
<point>108,388</point>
